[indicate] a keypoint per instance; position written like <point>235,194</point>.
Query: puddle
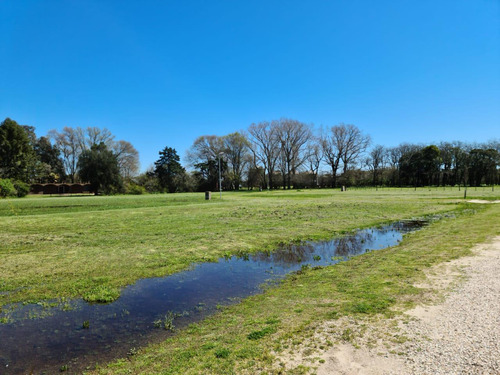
<point>41,340</point>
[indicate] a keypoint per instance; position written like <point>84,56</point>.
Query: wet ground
<point>43,340</point>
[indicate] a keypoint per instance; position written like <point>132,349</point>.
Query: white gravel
<point>461,335</point>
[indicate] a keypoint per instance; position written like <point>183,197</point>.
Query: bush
<point>7,189</point>
<point>22,188</point>
<point>135,189</point>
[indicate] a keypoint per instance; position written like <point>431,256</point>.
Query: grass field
<point>91,246</point>
<point>52,247</point>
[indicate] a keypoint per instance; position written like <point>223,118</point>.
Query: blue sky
<point>161,73</point>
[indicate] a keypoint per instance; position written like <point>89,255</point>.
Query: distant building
<point>59,189</point>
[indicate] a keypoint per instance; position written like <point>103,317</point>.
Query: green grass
<point>90,247</point>
<point>244,338</point>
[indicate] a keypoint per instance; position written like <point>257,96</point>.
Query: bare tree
<point>343,143</point>
<point>393,158</point>
<point>264,144</point>
<point>73,141</point>
<point>127,156</point>
<point>376,161</point>
<point>314,158</point>
<point>236,150</point>
<point>332,153</point>
<point>68,142</point>
<point>91,136</point>
<point>205,148</point>
<point>353,144</point>
<point>292,136</point>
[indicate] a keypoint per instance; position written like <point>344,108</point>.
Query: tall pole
<point>220,179</point>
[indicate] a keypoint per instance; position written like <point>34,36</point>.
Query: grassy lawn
<point>52,247</point>
<point>247,338</point>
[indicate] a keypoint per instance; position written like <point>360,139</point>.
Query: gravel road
<point>459,335</point>
<point>464,331</point>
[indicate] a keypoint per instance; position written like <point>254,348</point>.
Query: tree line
<point>89,155</point>
<point>287,154</point>
<point>283,153</point>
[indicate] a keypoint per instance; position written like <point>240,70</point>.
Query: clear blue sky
<point>161,73</point>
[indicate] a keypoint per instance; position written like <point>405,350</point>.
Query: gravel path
<point>464,331</point>
<point>460,335</point>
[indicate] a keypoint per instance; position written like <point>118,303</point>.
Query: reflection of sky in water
<point>50,342</point>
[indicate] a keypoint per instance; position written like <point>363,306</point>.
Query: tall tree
<point>204,155</point>
<point>91,136</point>
<point>169,170</point>
<point>70,144</point>
<point>48,156</point>
<point>292,136</point>
<point>314,158</point>
<point>127,156</point>
<point>16,151</point>
<point>430,159</point>
<point>376,162</point>
<point>236,151</point>
<point>352,142</point>
<point>99,167</point>
<point>265,146</point>
<point>205,148</point>
<point>483,166</point>
<point>332,152</point>
<point>73,141</point>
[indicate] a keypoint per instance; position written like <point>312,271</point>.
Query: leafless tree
<point>236,151</point>
<point>332,153</point>
<point>205,148</point>
<point>265,146</point>
<point>68,142</point>
<point>393,157</point>
<point>93,136</point>
<point>127,156</point>
<point>292,136</point>
<point>72,141</point>
<point>343,143</point>
<point>376,161</point>
<point>314,158</point>
<point>354,143</point>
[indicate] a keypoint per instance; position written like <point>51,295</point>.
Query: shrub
<point>7,189</point>
<point>135,189</point>
<point>22,188</point>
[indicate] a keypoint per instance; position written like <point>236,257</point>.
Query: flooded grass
<point>93,251</point>
<point>42,337</point>
<point>51,254</point>
<point>256,331</point>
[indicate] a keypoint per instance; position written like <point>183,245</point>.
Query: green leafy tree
<point>16,152</point>
<point>169,170</point>
<point>99,167</point>
<point>50,163</point>
<point>483,166</point>
<point>430,162</point>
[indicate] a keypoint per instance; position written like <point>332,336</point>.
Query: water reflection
<point>61,338</point>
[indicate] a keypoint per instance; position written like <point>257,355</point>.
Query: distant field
<point>52,247</point>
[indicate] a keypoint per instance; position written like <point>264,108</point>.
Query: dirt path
<point>457,335</point>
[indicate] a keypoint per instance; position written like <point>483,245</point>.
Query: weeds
<point>167,322</point>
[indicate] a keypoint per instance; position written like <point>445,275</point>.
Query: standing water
<point>40,340</point>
